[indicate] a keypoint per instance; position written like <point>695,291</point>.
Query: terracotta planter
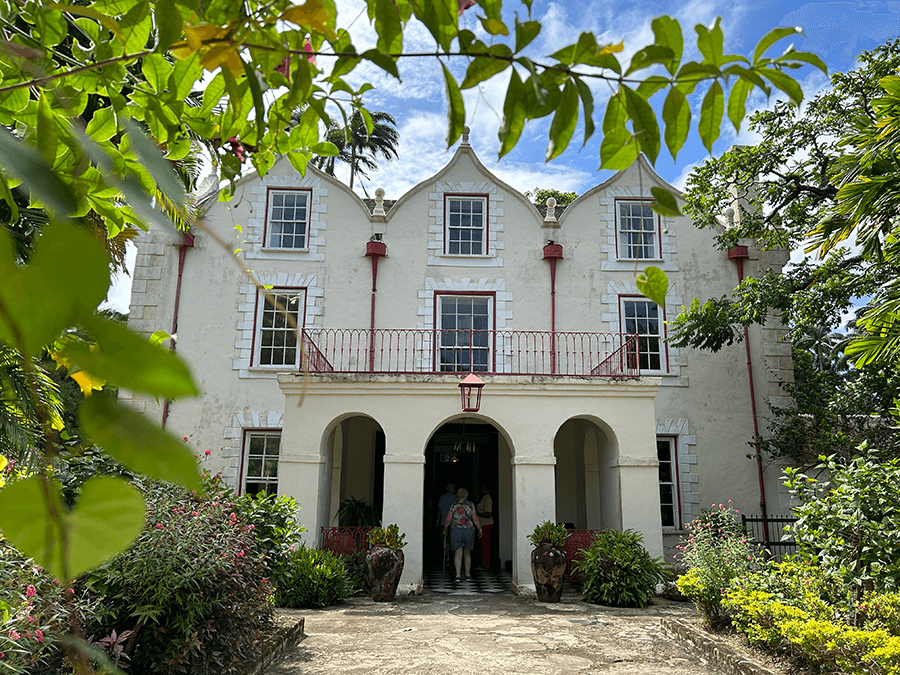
<point>548,565</point>
<point>385,566</point>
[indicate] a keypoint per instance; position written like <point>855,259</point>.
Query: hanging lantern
<point>470,393</point>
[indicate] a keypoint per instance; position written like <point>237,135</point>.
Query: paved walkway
<point>499,634</point>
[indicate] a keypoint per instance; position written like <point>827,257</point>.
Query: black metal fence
<point>779,543</point>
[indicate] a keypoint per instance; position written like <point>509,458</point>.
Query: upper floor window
<point>465,225</point>
<point>260,461</point>
<point>464,336</point>
<point>638,231</point>
<point>287,219</point>
<point>644,318</point>
<point>279,318</point>
<point>668,485</point>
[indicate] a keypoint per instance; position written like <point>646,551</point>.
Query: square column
<point>302,477</point>
<point>639,494</point>
<point>534,502</point>
<point>404,479</point>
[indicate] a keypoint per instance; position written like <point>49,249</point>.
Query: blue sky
<point>836,31</point>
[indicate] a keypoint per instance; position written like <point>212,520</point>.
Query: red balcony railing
<point>409,351</point>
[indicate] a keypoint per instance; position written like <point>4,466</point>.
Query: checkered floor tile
<point>481,581</point>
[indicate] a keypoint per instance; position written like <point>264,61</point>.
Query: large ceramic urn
<point>548,565</point>
<point>385,566</point>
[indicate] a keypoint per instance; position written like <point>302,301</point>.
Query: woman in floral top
<point>462,523</point>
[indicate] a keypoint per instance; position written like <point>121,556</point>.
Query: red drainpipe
<point>552,253</point>
<point>374,250</point>
<point>739,254</point>
<point>187,241</point>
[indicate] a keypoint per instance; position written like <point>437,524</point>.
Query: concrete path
<point>500,634</point>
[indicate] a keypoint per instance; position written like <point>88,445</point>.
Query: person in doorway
<point>446,501</point>
<point>485,512</point>
<point>462,521</point>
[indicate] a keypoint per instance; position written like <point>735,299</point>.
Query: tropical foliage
<point>358,145</point>
<point>617,570</point>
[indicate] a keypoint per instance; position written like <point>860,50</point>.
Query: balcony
<point>493,352</point>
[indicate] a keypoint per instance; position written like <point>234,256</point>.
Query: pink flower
<point>13,635</point>
<point>159,526</point>
<point>30,619</point>
<point>194,513</point>
<point>184,438</point>
<point>39,635</point>
<point>56,582</point>
<point>70,591</point>
<point>30,590</point>
<point>207,452</point>
<point>240,554</point>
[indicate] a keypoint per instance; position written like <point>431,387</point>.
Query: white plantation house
<point>587,416</point>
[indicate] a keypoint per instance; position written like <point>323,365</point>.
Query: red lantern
<point>470,393</point>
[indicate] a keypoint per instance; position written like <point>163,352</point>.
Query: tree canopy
<point>99,98</point>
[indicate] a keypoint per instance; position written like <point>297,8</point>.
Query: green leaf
<point>102,126</point>
<point>676,115</point>
<point>387,63</point>
<point>711,115</point>
<point>785,83</point>
<point>806,57</point>
<point>47,131</point>
<point>668,34</point>
<point>136,26</point>
<point>618,150</point>
<point>616,115</point>
<point>47,282</point>
<point>156,71</point>
<point>710,42</point>
<point>92,13</point>
<point>513,114</point>
<point>526,32</point>
<point>184,76</point>
<point>257,88</point>
<point>564,122</point>
<point>136,442</point>
<point>737,102</point>
<point>771,38</point>
<point>299,160</point>
<point>644,124</point>
<point>653,284</point>
<point>124,358</point>
<point>665,204</point>
<point>587,102</point>
<point>388,27</point>
<point>26,163</point>
<point>439,16</point>
<point>7,196</point>
<point>155,162</point>
<point>168,25</point>
<point>482,68</point>
<point>107,517</point>
<point>324,149</point>
<point>456,108</point>
<point>650,55</point>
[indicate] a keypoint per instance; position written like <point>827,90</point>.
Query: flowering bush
<point>192,588</point>
<point>33,614</point>
<point>716,551</point>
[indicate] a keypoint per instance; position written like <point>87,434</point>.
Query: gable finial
<point>379,202</point>
<point>465,136</point>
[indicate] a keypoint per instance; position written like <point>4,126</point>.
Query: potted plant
<point>384,561</point>
<point>354,512</point>
<point>548,560</point>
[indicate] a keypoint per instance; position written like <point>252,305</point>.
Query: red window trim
<point>658,228</point>
<point>436,323</point>
<point>275,289</point>
<point>242,479</point>
<point>265,241</point>
<point>676,480</point>
<point>487,206</point>
<point>665,344</point>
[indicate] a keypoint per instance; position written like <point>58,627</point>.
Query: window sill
<point>639,260</point>
<point>270,249</point>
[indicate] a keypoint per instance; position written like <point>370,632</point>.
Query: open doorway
<point>465,454</point>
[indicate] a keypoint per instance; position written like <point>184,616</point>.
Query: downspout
<point>739,254</point>
<point>375,249</point>
<point>552,253</point>
<point>187,241</point>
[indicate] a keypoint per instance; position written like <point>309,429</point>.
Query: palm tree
<point>359,148</point>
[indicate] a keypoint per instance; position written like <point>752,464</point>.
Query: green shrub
<point>357,572</point>
<point>616,570</point>
<point>554,534</point>
<point>310,577</point>
<point>880,611</point>
<point>850,523</point>
<point>716,551</point>
<point>354,512</point>
<point>273,521</point>
<point>192,587</point>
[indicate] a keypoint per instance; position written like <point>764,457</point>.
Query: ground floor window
<point>261,450</point>
<point>668,482</point>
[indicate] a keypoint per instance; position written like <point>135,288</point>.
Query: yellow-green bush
<point>881,610</point>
